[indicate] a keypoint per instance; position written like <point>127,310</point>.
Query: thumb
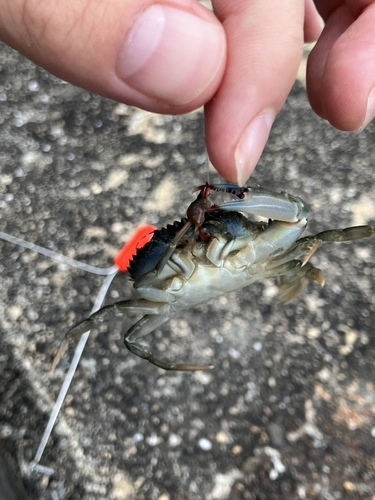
<point>167,57</point>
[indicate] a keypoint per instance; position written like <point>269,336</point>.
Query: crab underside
<point>215,250</point>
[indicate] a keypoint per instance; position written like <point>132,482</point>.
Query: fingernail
<point>171,55</point>
<point>252,143</point>
<point>370,111</point>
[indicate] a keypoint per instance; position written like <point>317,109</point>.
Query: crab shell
<point>228,251</point>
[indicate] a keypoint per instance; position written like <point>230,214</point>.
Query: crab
<point>215,250</point>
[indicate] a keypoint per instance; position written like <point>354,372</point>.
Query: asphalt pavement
<point>288,411</point>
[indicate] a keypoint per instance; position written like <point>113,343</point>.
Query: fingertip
<point>251,145</point>
<point>265,44</point>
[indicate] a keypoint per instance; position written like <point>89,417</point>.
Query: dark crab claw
<point>225,188</point>
<point>196,216</point>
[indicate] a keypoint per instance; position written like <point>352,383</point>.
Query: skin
<point>173,56</point>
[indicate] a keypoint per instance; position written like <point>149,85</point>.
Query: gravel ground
<point>289,410</point>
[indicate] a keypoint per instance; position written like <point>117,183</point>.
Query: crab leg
<point>292,283</point>
<point>144,326</point>
<point>293,280</point>
<point>278,206</point>
<point>122,307</point>
<point>347,234</point>
<point>172,247</point>
<point>104,314</point>
<point>304,249</point>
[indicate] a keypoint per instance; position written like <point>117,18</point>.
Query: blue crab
<point>215,250</point>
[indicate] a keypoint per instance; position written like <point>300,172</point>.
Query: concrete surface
<point>289,410</point>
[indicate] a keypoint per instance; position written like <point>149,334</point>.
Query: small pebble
<point>205,444</point>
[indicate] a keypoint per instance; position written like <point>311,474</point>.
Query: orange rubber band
<point>139,239</point>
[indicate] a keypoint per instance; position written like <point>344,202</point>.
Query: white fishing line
<point>109,274</point>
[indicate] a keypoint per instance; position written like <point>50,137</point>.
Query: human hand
<point>341,67</point>
<point>174,56</point>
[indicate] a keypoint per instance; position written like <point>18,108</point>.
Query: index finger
<point>265,41</point>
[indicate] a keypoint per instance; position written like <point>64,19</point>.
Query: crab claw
<point>277,206</point>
